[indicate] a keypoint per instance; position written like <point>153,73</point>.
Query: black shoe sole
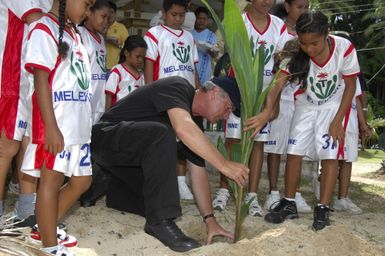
<point>281,220</point>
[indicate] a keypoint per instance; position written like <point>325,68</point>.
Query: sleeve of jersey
<point>23,8</point>
<point>358,89</point>
<point>152,46</point>
<point>195,52</point>
<point>283,38</point>
<point>42,49</point>
<point>350,62</point>
<point>112,82</point>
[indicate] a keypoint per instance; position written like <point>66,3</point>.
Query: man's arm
<point>190,134</point>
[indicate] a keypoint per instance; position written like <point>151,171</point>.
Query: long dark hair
<point>63,46</point>
<point>308,22</point>
<point>130,44</point>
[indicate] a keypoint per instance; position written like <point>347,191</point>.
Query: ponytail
<point>63,46</point>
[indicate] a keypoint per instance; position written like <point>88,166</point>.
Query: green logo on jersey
<point>323,89</point>
<point>268,50</point>
<point>181,53</point>
<point>101,60</point>
<point>78,69</point>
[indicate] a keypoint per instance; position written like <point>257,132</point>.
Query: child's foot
<point>284,210</point>
<point>272,200</point>
<point>254,209</point>
<point>220,200</point>
<point>60,250</point>
<point>62,237</point>
<point>321,217</point>
<point>301,204</point>
<point>345,204</point>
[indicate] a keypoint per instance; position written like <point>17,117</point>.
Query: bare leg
<point>27,182</point>
<point>345,172</point>
<point>8,149</point>
<point>181,168</point>
<point>328,180</point>
<point>273,164</point>
<point>292,175</point>
<point>47,205</point>
<point>255,165</point>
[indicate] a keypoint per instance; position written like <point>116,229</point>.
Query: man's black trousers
<point>141,156</point>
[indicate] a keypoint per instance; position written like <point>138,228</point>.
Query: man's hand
<point>256,122</point>
<point>235,171</point>
<point>214,229</point>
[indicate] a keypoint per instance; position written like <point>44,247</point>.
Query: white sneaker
<point>13,188</point>
<point>255,209</point>
<point>345,204</point>
<point>220,200</point>
<point>184,191</point>
<point>272,200</point>
<point>302,206</point>
<point>61,251</point>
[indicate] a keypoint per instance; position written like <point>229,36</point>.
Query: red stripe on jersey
<point>11,68</point>
<point>341,152</point>
<point>43,156</point>
<point>283,29</point>
<point>152,37</point>
<point>351,75</point>
<point>44,28</point>
<point>330,54</point>
<point>172,32</point>
<point>156,69</point>
<point>71,32</point>
<point>116,71</point>
<point>256,29</point>
<point>131,74</point>
<point>34,10</point>
<point>231,72</point>
<point>349,50</point>
<point>96,37</point>
<point>31,66</point>
<point>298,92</point>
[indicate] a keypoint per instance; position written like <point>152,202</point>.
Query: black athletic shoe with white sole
<point>321,217</point>
<point>284,210</point>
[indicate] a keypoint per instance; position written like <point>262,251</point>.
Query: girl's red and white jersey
<point>173,52</point>
<point>14,32</point>
<point>122,82</point>
<point>352,125</point>
<point>69,80</point>
<point>96,50</point>
<point>325,82</point>
<point>273,38</point>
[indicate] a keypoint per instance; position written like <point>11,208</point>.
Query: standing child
<point>126,76</point>
<point>61,118</point>
<point>172,52</point>
<point>91,32</point>
<point>327,68</point>
<point>270,31</point>
<point>278,138</point>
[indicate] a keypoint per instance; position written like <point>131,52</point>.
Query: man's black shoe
<point>284,210</point>
<point>170,235</point>
<point>321,217</point>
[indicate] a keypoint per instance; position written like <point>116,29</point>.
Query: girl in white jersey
<point>270,31</point>
<point>91,32</point>
<point>61,118</point>
<point>277,143</point>
<point>126,76</point>
<point>327,68</point>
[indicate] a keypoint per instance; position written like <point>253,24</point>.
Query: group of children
<point>65,88</point>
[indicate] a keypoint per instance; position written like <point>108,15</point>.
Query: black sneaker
<point>284,210</point>
<point>170,235</point>
<point>321,217</point>
<point>27,222</point>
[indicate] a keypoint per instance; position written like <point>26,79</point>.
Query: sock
<point>327,206</point>
<point>290,199</point>
<point>181,179</point>
<point>297,194</point>
<point>252,194</point>
<point>274,192</point>
<point>26,205</point>
<point>1,207</point>
<point>51,249</point>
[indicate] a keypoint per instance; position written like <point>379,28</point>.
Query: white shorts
<point>74,160</point>
<point>351,144</point>
<point>309,134</point>
<point>279,130</point>
<point>234,129</point>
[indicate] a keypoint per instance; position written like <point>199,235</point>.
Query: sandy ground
<point>104,231</point>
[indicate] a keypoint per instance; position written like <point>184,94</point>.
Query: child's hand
<point>256,123</point>
<point>54,141</point>
<point>336,131</point>
<point>364,130</point>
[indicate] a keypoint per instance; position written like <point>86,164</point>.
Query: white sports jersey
<point>122,82</point>
<point>352,125</point>
<point>325,84</point>
<point>173,52</point>
<point>273,38</point>
<point>69,80</point>
<point>97,54</point>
